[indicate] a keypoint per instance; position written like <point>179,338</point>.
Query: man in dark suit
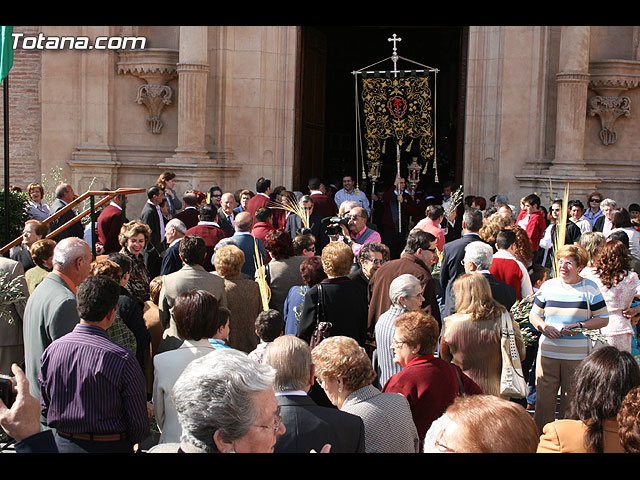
<point>189,216</point>
<point>370,258</point>
<point>323,204</point>
<point>152,216</point>
<point>295,226</point>
<point>64,196</point>
<point>453,253</point>
<point>174,232</point>
<point>226,213</point>
<point>109,223</point>
<point>209,229</point>
<point>398,217</point>
<point>247,243</point>
<point>477,258</point>
<point>308,426</point>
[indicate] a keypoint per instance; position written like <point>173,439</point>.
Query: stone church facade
<point>219,105</point>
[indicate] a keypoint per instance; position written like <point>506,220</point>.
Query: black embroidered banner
<point>400,108</point>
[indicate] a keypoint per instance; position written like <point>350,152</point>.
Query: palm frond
<point>261,277</point>
<point>561,229</point>
<point>292,206</point>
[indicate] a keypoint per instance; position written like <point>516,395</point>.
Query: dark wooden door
<point>310,132</point>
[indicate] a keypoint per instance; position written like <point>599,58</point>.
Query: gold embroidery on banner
<point>399,108</point>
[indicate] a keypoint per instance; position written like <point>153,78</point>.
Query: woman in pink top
<point>619,286</point>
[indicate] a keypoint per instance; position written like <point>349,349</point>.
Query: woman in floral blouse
<point>619,286</point>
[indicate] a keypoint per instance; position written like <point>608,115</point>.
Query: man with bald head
<point>226,213</point>
<point>65,195</point>
<point>247,243</point>
<point>51,310</point>
<point>357,233</point>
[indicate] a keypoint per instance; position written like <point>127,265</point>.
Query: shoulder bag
<point>322,326</point>
<point>512,381</point>
<point>593,344</point>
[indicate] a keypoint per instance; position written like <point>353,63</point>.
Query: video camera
<point>333,224</point>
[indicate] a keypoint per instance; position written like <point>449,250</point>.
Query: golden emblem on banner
<point>398,108</point>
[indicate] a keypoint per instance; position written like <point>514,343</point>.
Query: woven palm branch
<point>561,230</point>
<point>261,277</point>
<point>292,206</point>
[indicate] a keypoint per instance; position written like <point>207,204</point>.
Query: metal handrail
<point>109,195</point>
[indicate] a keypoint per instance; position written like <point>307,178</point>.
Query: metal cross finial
<point>394,39</point>
<point>394,57</point>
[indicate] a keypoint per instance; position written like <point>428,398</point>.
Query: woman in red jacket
<point>429,383</point>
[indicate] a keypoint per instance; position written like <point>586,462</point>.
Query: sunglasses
<point>597,200</point>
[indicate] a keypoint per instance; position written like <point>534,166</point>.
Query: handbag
<point>592,344</point>
<point>512,381</point>
<point>321,330</point>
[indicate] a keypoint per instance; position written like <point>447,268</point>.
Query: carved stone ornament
<point>609,78</point>
<point>156,66</point>
<point>154,97</point>
<point>609,108</point>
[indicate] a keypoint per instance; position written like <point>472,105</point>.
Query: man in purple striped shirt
<point>92,391</point>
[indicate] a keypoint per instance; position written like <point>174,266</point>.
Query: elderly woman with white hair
<point>478,257</point>
<point>405,293</point>
<point>226,404</point>
<point>604,224</point>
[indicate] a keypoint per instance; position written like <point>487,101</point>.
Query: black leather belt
<point>95,437</point>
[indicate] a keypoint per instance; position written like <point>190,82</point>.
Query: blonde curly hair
<point>341,356</point>
<point>337,259</point>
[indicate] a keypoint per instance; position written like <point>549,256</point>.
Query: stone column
<point>192,68</point>
<point>573,81</point>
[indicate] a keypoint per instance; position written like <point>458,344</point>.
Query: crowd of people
<point>329,320</point>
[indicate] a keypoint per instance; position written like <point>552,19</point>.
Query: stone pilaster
<point>193,68</point>
<point>573,82</point>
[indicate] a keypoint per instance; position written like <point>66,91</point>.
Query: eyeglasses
<point>375,261</point>
<point>216,195</point>
<point>568,263</point>
<point>397,343</point>
<point>312,248</point>
<point>597,200</point>
<point>276,424</point>
<point>432,250</point>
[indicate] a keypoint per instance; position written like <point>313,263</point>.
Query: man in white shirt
<point>348,192</point>
<point>576,210</point>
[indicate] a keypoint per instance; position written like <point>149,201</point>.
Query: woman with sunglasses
<point>593,212</point>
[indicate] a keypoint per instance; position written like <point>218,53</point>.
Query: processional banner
<point>400,108</point>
